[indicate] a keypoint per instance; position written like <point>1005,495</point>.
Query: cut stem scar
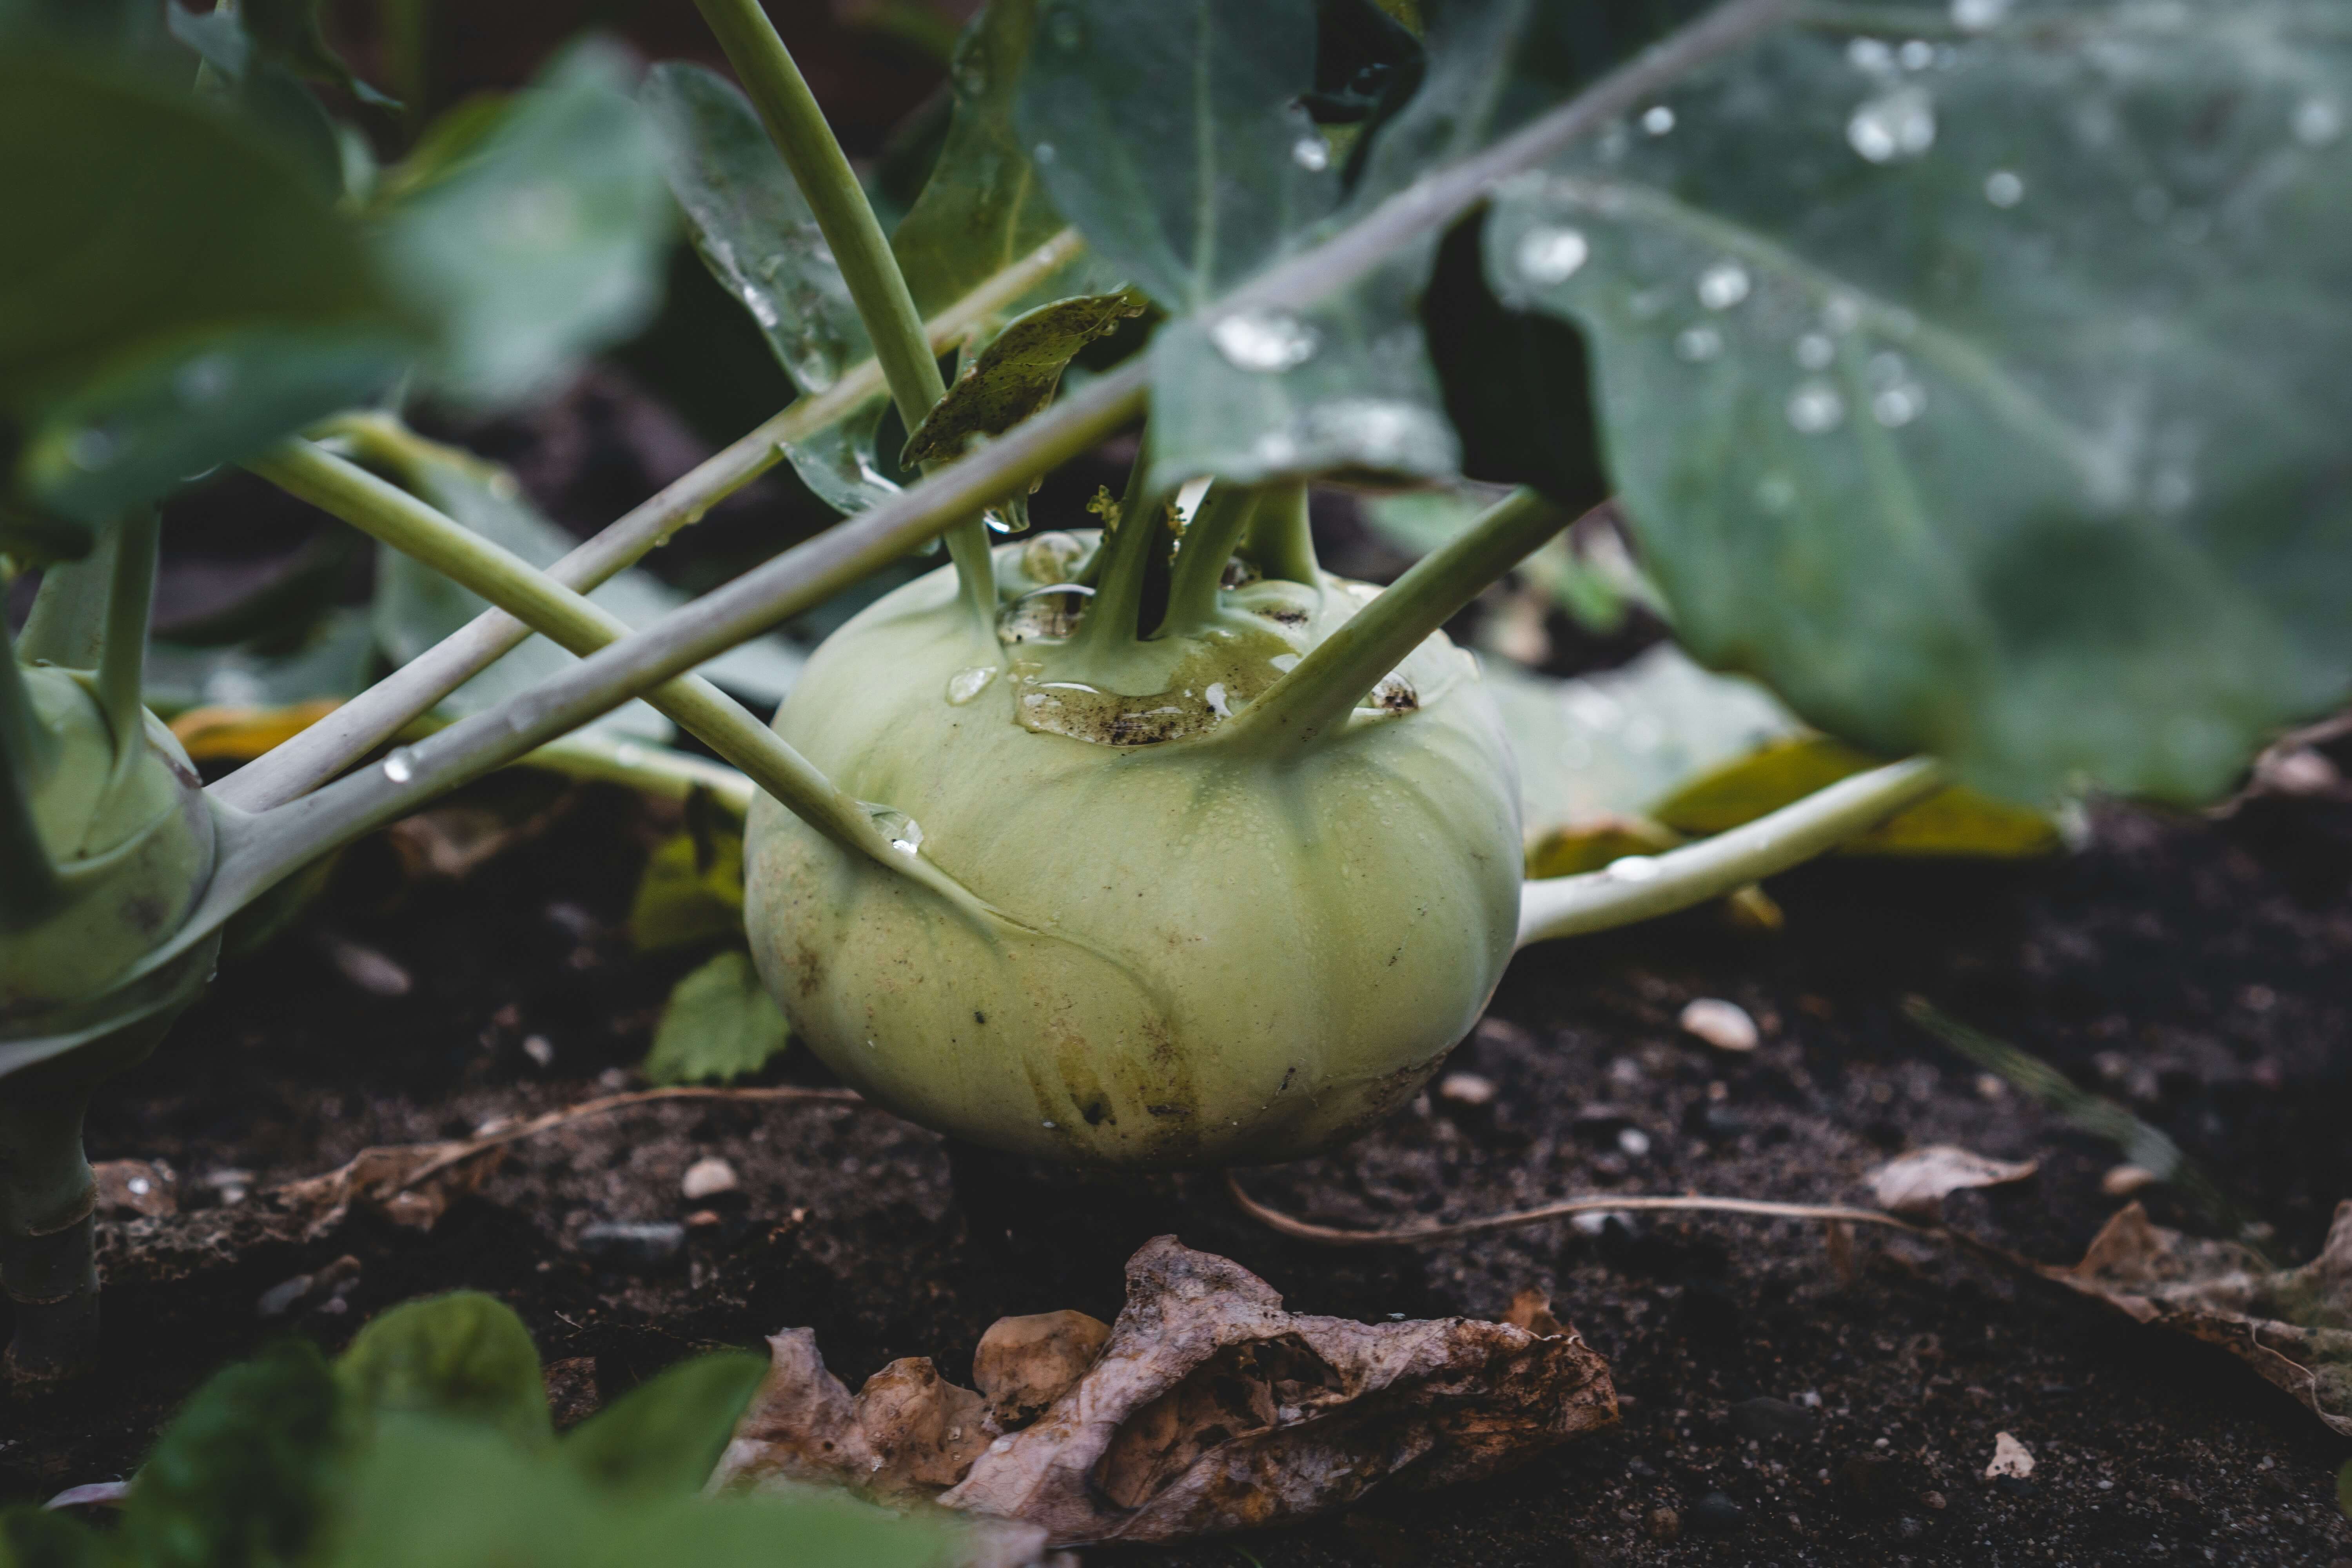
<point>1317,697</point>
<point>797,127</point>
<point>374,716</point>
<point>1641,887</point>
<point>392,515</point>
<point>122,655</point>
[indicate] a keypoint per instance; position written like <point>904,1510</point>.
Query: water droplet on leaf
<point>1633,868</point>
<point>1898,124</point>
<point>1267,341</point>
<point>1917,54</point>
<point>1549,255</point>
<point>1870,55</point>
<point>1658,120</point>
<point>1815,408</point>
<point>1896,407</point>
<point>969,682</point>
<point>2003,188</point>
<point>2317,123</point>
<point>1698,344</point>
<point>1724,285</point>
<point>1814,351</point>
<point>205,379</point>
<point>1043,152</point>
<point>1976,16</point>
<point>400,764</point>
<point>89,448</point>
<point>1311,153</point>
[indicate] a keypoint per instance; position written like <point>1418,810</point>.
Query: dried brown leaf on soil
<point>1918,1181</point>
<point>1209,1408</point>
<point>2291,1325</point>
<point>411,1184</point>
<point>1026,1363</point>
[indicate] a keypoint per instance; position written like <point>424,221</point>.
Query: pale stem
<point>593,755</point>
<point>1279,540</point>
<point>28,883</point>
<point>1202,557</point>
<point>385,512</point>
<point>260,850</point>
<point>797,127</point>
<point>369,720</point>
<point>1642,887</point>
<point>122,656</point>
<point>1318,694</point>
<point>1114,612</point>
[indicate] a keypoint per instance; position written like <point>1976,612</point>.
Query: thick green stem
<point>377,714</point>
<point>1200,560</point>
<point>68,626</point>
<point>1642,887</point>
<point>28,882</point>
<point>1279,538</point>
<point>797,126</point>
<point>388,513</point>
<point>122,656</point>
<point>1319,695</point>
<point>1115,613</point>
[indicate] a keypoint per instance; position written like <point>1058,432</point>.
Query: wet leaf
<point>465,1356</point>
<point>1918,1183</point>
<point>719,1024</point>
<point>242,1474</point>
<point>984,207</point>
<point>1014,376</point>
<point>2293,1326</point>
<point>666,1434</point>
<point>2016,376</point>
<point>193,297</point>
<point>288,32</point>
<point>544,242</point>
<point>1209,1409</point>
<point>334,661</point>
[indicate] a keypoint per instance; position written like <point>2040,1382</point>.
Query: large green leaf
<point>241,1477</point>
<point>984,207</point>
<point>1988,398</point>
<point>177,292</point>
<point>544,241</point>
<point>32,1536</point>
<point>465,1356</point>
<point>667,1435</point>
<point>1016,374</point>
<point>755,232</point>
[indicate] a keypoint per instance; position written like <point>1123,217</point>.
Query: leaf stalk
<point>877,286</point>
<point>1217,525</point>
<point>122,655</point>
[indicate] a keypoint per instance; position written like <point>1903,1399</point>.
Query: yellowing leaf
<point>692,890</point>
<point>1955,822</point>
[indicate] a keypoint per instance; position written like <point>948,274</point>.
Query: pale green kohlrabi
<point>1221,946</point>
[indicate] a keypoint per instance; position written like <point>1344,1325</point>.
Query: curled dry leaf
<point>1023,1364</point>
<point>1916,1183</point>
<point>384,1179</point>
<point>1208,1409</point>
<point>2291,1325</point>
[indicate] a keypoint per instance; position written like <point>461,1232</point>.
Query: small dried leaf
<point>379,1179</point>
<point>908,1433</point>
<point>1023,1364</point>
<point>2293,1326</point>
<point>136,1186</point>
<point>1916,1183</point>
<point>1532,1310</point>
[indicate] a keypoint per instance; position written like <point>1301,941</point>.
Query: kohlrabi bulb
<point>1219,948</point>
<point>132,847</point>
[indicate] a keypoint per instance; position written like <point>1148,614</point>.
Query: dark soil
<point>2200,972</point>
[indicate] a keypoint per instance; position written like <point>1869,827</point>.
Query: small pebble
<point>2122,1181</point>
<point>538,1049</point>
<point>1465,1088</point>
<point>707,1178</point>
<point>1726,1025</point>
<point>2009,1458</point>
<point>1634,1142</point>
<point>631,1244</point>
<point>1665,1524</point>
<point>1716,1514</point>
<point>280,1299</point>
<point>1936,1502</point>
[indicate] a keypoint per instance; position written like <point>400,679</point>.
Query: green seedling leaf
<point>243,1475</point>
<point>194,296</point>
<point>1014,376</point>
<point>755,232</point>
<point>984,207</point>
<point>720,1024</point>
<point>32,1536</point>
<point>543,241</point>
<point>667,1435</point>
<point>2013,369</point>
<point>465,1356</point>
<point>692,890</point>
